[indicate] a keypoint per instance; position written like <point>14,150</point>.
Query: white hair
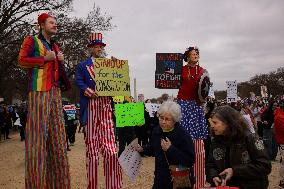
<point>171,107</point>
<point>102,55</point>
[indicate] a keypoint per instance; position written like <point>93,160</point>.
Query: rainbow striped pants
<point>46,165</point>
<point>100,138</point>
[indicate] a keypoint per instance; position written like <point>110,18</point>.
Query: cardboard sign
<point>129,114</point>
<point>70,111</point>
<point>130,160</point>
<point>118,99</point>
<point>168,70</point>
<point>232,93</point>
<point>211,92</point>
<point>112,77</point>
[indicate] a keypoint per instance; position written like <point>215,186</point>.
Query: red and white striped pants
<point>199,166</point>
<point>100,138</point>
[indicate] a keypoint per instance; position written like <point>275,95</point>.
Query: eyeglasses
<point>161,118</point>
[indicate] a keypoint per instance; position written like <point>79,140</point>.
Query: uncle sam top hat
<point>96,39</point>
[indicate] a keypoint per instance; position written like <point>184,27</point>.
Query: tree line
<point>274,81</point>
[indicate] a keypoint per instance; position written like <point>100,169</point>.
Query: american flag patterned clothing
<point>199,166</point>
<point>100,138</point>
<point>193,119</point>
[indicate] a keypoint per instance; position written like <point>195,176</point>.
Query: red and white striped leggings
<point>199,166</point>
<point>100,138</point>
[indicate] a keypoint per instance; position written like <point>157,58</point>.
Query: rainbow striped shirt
<point>42,75</point>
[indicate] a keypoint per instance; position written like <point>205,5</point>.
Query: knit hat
<point>42,17</point>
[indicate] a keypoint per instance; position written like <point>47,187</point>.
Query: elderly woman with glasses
<point>170,144</point>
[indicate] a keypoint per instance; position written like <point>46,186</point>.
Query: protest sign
<point>70,111</point>
<point>112,77</point>
<point>211,91</point>
<point>118,99</point>
<point>232,95</point>
<point>168,70</point>
<point>129,114</point>
<point>130,160</point>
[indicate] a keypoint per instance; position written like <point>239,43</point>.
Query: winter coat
<point>248,159</point>
<point>181,152</point>
<point>279,125</point>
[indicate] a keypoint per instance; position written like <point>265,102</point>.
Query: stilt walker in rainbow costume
<point>100,130</point>
<point>194,85</point>
<point>46,164</point>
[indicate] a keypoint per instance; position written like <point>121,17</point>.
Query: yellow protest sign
<point>118,99</point>
<point>112,77</point>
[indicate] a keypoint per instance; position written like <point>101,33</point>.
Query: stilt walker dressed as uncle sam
<point>46,162</point>
<point>99,131</point>
<point>193,91</point>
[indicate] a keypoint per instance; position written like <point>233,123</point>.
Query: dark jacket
<point>248,159</point>
<point>268,115</point>
<point>68,122</point>
<point>181,152</point>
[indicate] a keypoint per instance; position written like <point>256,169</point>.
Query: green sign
<point>129,114</point>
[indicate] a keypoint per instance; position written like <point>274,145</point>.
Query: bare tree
<point>16,23</point>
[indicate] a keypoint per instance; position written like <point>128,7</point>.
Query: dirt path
<point>12,167</point>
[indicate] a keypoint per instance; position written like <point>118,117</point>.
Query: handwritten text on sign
<point>168,70</point>
<point>118,99</point>
<point>129,114</point>
<point>232,91</point>
<point>130,160</point>
<point>112,77</point>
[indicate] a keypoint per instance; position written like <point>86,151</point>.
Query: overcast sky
<point>237,39</point>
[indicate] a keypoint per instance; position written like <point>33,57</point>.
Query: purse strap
<point>168,165</point>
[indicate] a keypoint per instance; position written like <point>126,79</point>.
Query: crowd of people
<point>12,117</point>
<point>259,121</point>
<point>195,143</point>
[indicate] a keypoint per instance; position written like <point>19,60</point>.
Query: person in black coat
<point>237,157</point>
<point>7,121</point>
<point>23,119</point>
<point>170,144</point>
<point>1,121</point>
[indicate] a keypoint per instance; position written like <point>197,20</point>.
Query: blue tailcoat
<point>83,81</point>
